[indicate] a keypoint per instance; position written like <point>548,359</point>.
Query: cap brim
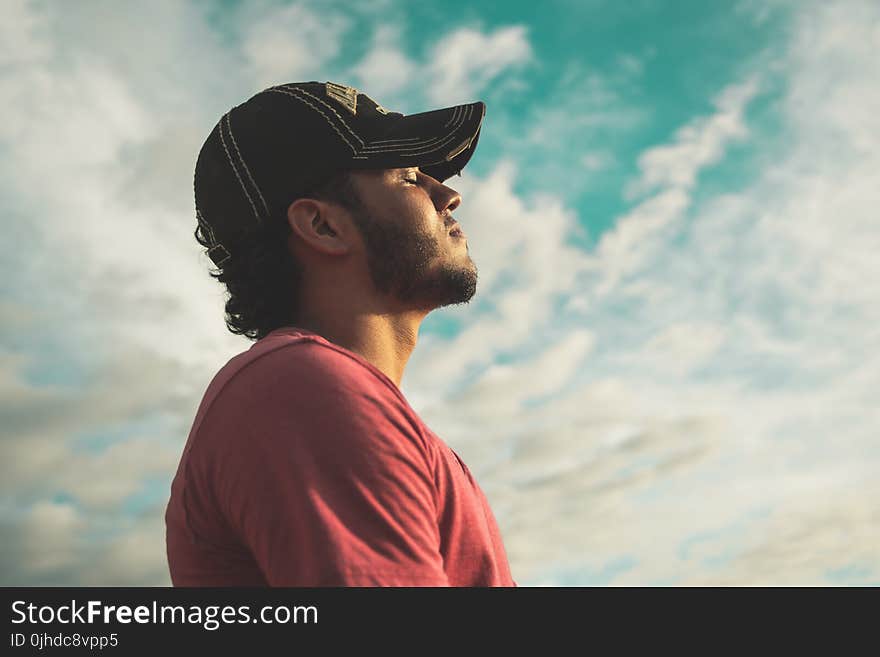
<point>439,142</point>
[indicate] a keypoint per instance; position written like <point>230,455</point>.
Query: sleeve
<point>330,482</point>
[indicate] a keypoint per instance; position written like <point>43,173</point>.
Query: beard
<point>402,263</point>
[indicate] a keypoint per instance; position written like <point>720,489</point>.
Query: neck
<point>384,340</point>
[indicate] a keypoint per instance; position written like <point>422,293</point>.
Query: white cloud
<point>726,410</point>
<point>630,65</point>
<point>596,160</point>
<point>711,408</point>
<point>814,540</point>
<point>697,144</point>
<point>506,387</point>
<point>134,556</point>
<point>582,102</point>
<point>385,70</point>
<point>458,68</point>
<point>290,43</point>
<point>637,236</point>
<point>680,347</point>
<point>566,138</point>
<point>463,62</point>
<point>17,48</point>
<point>99,276</point>
<point>49,537</point>
<point>511,240</point>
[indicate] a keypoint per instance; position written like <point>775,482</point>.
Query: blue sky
<point>665,376</point>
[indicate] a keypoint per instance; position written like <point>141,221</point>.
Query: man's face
<point>405,222</point>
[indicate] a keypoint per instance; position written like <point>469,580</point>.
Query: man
<point>328,220</point>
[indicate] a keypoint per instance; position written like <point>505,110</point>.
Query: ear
<point>320,225</point>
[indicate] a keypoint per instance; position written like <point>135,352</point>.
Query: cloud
<point>385,70</point>
<point>98,447</point>
<point>463,62</point>
<point>697,144</point>
<point>592,161</point>
<point>630,65</point>
<point>509,386</point>
<point>511,240</point>
<point>55,544</point>
<point>688,402</point>
<point>814,540</point>
<point>566,139</point>
<point>726,392</point>
<point>459,67</point>
<point>41,544</point>
<point>290,43</point>
<point>111,328</point>
<point>17,48</point>
<point>680,347</point>
<point>134,555</point>
<point>581,101</point>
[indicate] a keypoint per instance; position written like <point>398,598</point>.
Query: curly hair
<point>263,278</point>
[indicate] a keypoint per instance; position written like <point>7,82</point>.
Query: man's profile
<point>330,226</point>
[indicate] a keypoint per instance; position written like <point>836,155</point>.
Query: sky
<point>669,373</point>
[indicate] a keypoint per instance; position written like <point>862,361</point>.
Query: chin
<point>460,283</point>
<point>451,284</point>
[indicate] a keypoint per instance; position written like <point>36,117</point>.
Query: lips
<point>456,231</point>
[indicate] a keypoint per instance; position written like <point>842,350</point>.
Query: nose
<point>445,198</point>
<point>448,199</point>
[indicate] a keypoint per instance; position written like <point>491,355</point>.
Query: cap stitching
<point>453,117</point>
<point>421,139</point>
<point>234,169</point>
<point>416,151</point>
<point>460,119</point>
<point>215,244</point>
<point>391,141</point>
<point>332,109</point>
<point>206,226</point>
<point>318,110</point>
<point>426,142</point>
<point>243,163</point>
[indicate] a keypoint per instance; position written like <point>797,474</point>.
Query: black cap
<point>283,141</point>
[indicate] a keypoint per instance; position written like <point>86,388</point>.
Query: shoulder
<point>298,387</point>
<point>307,365</point>
<point>309,408</point>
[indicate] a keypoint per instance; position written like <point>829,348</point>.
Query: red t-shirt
<point>306,466</point>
